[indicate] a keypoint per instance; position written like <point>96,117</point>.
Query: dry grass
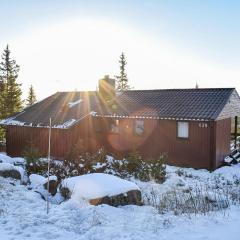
<point>198,199</point>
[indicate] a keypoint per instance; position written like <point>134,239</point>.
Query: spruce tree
<point>122,79</point>
<point>31,96</point>
<point>10,95</point>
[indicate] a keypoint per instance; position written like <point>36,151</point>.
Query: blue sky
<point>204,30</point>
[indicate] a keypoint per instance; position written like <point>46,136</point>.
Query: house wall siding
<point>19,138</point>
<point>222,138</point>
<point>160,136</point>
<point>206,146</point>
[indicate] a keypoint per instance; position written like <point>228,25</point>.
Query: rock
<point>53,184</point>
<point>38,182</point>
<point>11,174</point>
<point>11,171</point>
<point>132,197</point>
<point>100,188</point>
<point>65,192</point>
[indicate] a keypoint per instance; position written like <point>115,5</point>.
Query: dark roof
<point>195,104</point>
<point>60,108</point>
<point>204,103</point>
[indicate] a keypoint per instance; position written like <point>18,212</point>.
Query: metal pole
<point>49,154</point>
<point>235,132</point>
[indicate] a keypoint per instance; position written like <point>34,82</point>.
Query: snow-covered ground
<point>23,214</point>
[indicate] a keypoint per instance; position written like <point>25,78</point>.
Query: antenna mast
<point>49,154</point>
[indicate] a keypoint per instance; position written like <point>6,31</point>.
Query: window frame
<point>116,123</point>
<point>177,133</point>
<point>134,127</point>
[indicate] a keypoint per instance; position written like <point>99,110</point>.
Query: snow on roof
<point>97,185</point>
<point>93,113</point>
<point>72,104</point>
<point>66,124</point>
<point>10,121</point>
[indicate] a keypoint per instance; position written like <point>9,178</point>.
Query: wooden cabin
<point>192,126</point>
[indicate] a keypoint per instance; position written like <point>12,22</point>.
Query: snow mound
<point>9,167</point>
<point>16,160</point>
<point>5,159</point>
<point>97,185</point>
<point>229,172</point>
<point>38,180</point>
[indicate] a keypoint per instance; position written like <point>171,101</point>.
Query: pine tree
<point>31,96</point>
<point>122,79</point>
<point>10,95</point>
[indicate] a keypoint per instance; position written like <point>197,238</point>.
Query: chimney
<point>106,88</point>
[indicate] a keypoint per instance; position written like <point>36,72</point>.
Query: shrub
<point>132,166</point>
<point>157,169</point>
<point>134,162</point>
<point>196,200</point>
<point>144,170</point>
<point>31,154</point>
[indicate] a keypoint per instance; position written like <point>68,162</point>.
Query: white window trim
<point>183,129</point>
<point>135,127</point>
<point>114,126</point>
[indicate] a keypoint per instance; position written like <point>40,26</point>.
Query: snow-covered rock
<point>99,188</point>
<point>9,170</point>
<point>15,160</point>
<point>39,183</point>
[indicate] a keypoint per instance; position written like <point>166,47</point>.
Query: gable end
<point>231,108</point>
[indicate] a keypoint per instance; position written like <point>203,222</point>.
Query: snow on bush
<point>99,162</point>
<point>97,185</point>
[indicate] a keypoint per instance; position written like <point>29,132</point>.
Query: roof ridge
<point>176,89</point>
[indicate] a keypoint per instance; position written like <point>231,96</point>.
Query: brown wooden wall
<point>19,138</point>
<point>160,136</point>
<point>222,138</point>
<point>206,146</point>
<point>62,140</point>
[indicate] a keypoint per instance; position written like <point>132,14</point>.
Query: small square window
<point>139,127</point>
<point>183,129</point>
<point>114,127</point>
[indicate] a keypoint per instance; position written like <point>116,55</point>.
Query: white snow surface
<point>37,180</point>
<point>8,167</point>
<point>23,214</point>
<point>15,160</point>
<point>97,185</point>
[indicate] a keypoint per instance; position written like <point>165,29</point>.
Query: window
<point>182,130</point>
<point>114,127</point>
<point>139,127</point>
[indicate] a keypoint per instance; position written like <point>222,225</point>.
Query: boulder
<point>10,174</point>
<point>99,188</point>
<point>53,184</point>
<point>133,197</point>
<point>65,192</point>
<point>11,171</point>
<point>38,182</point>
